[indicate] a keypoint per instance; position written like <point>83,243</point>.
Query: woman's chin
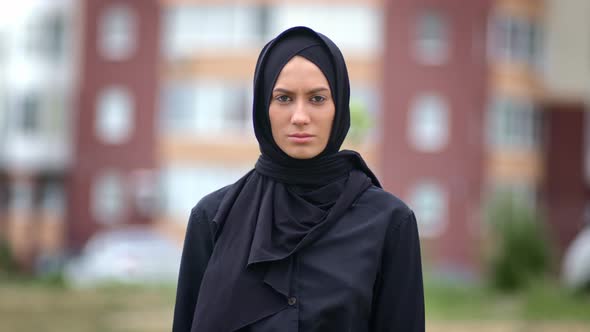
<point>302,152</point>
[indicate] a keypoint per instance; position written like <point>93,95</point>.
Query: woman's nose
<point>300,115</point>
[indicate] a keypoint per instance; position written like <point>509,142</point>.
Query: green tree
<point>360,122</point>
<point>7,263</point>
<point>521,249</point>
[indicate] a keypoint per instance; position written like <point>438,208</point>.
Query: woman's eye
<point>283,98</point>
<point>318,99</point>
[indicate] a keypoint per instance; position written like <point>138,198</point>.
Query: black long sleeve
<point>399,294</point>
<point>198,246</point>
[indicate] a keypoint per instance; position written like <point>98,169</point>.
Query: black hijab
<point>284,204</point>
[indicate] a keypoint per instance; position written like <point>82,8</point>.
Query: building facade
<point>432,148</point>
<point>567,75</point>
<point>159,99</point>
<point>37,76</point>
<point>113,171</point>
<point>126,112</point>
<point>491,103</point>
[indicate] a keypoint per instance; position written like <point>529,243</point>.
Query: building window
<point>203,107</point>
<point>191,28</point>
<point>264,16</point>
<point>46,37</point>
<point>3,117</point>
<point>429,202</point>
<point>177,107</point>
<point>431,40</point>
<point>516,39</point>
<point>428,127</point>
<point>108,198</point>
<point>53,198</point>
<point>500,37</point>
<point>536,46</point>
<point>21,196</point>
<point>57,110</point>
<point>115,115</point>
<point>117,33</point>
<point>30,120</point>
<point>356,28</point>
<point>514,123</point>
<point>145,192</point>
<point>184,186</point>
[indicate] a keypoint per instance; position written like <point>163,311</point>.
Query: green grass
<point>48,305</point>
<point>32,305</point>
<point>543,301</point>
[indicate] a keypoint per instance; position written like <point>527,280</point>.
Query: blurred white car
<point>133,255</point>
<point>576,263</point>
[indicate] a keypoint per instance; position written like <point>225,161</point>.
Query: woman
<point>308,240</point>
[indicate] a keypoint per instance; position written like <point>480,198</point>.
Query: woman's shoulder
<point>384,202</point>
<point>207,206</point>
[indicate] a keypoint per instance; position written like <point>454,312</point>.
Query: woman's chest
<point>332,282</point>
<point>346,259</point>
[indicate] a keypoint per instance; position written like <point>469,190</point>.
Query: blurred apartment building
<point>492,101</point>
<point>436,79</point>
<point>37,75</point>
<point>160,109</point>
<point>151,111</point>
<point>566,186</point>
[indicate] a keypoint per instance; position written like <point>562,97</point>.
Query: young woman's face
<point>301,109</point>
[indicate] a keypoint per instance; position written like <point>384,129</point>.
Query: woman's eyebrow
<point>316,90</point>
<point>283,90</point>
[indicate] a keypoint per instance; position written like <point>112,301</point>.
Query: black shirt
<point>364,274</point>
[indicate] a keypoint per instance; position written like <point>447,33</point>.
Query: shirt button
<point>292,300</point>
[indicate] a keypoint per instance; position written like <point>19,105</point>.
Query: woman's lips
<point>300,138</point>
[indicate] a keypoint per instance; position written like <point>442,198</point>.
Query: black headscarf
<point>284,204</point>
